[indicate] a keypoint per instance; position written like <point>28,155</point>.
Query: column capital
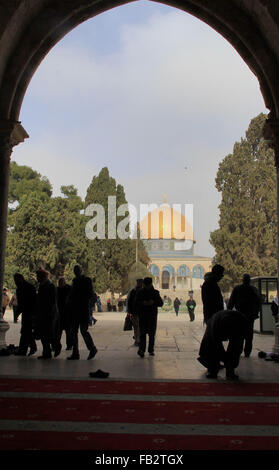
<point>12,132</point>
<point>271,135</point>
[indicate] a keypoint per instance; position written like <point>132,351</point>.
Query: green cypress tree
<point>245,241</point>
<point>109,260</point>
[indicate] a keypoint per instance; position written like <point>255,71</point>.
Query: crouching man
<point>226,325</point>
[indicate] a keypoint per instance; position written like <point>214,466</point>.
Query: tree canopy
<point>46,231</point>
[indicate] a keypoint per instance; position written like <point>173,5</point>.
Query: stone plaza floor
<point>176,351</point>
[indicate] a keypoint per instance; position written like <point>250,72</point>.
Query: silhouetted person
<point>5,300</point>
<point>13,305</point>
<point>147,302</point>
<point>246,299</point>
<point>225,325</point>
<point>99,304</point>
<point>48,316</point>
<point>82,292</point>
<point>191,305</point>
<point>27,306</point>
<point>211,294</point>
<point>63,300</point>
<point>176,305</point>
<point>131,309</point>
<point>274,307</point>
<point>92,303</point>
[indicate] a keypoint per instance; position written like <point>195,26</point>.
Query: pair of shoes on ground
<point>99,374</point>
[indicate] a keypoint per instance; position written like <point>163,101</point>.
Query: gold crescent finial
<point>165,198</point>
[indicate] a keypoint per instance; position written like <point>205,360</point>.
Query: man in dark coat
<point>226,325</point>
<point>176,305</point>
<point>26,305</point>
<point>191,305</point>
<point>48,316</point>
<point>211,294</point>
<point>147,302</point>
<point>131,309</point>
<point>63,296</point>
<point>246,299</point>
<point>82,293</point>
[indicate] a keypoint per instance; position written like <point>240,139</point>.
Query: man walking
<point>131,309</point>
<point>211,294</point>
<point>82,292</point>
<point>147,302</point>
<point>246,299</point>
<point>26,305</point>
<point>176,305</point>
<point>63,295</point>
<point>47,316</point>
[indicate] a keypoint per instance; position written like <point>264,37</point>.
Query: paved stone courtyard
<point>176,350</point>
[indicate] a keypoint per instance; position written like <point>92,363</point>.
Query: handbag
<point>128,323</point>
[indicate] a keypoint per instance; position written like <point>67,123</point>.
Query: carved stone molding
<point>271,135</point>
<point>11,134</point>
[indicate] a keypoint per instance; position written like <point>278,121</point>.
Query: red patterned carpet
<point>113,415</point>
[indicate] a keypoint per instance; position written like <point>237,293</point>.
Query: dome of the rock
<point>165,223</point>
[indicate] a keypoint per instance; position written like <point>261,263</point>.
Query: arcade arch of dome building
<point>30,28</point>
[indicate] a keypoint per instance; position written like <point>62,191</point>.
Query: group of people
<point>142,306</point>
<point>48,311</point>
<point>234,324</point>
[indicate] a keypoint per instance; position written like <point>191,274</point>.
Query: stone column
<point>11,134</point>
<point>271,135</point>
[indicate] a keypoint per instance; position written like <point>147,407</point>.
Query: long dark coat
<point>48,315</point>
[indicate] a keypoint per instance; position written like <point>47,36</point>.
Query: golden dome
<point>166,223</point>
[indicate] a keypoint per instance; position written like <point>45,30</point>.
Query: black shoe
<point>202,361</point>
<point>210,375</point>
<point>73,357</point>
<point>57,350</point>
<point>92,353</point>
<point>32,351</point>
<point>94,321</point>
<point>141,353</point>
<point>246,355</point>
<point>45,357</point>
<point>100,374</point>
<point>232,377</point>
<point>152,353</point>
<point>19,353</point>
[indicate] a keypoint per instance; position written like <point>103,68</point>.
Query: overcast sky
<point>145,90</point>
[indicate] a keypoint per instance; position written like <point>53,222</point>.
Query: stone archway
<point>30,28</point>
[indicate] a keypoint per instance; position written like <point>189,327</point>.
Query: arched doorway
<point>167,277</point>
<point>27,35</point>
<point>165,280</point>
